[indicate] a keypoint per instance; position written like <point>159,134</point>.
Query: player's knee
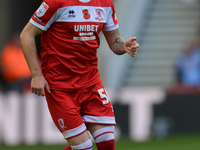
<point>88,145</point>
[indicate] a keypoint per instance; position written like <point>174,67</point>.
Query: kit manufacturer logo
<point>71,13</point>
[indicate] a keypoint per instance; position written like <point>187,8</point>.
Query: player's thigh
<point>65,113</point>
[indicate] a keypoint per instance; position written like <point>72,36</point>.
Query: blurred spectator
<point>15,74</point>
<point>188,67</point>
<point>188,71</point>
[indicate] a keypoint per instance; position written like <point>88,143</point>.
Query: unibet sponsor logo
<point>86,32</point>
<point>89,28</point>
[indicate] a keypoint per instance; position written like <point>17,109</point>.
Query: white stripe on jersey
<point>63,15</point>
<point>78,11</point>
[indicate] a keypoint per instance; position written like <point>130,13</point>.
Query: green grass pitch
<point>184,142</point>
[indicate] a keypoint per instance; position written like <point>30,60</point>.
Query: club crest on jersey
<point>99,13</point>
<point>61,124</point>
<point>42,9</point>
<point>86,14</point>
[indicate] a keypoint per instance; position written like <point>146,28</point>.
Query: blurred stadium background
<point>148,116</point>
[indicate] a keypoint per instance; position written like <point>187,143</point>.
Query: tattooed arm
<point>118,45</point>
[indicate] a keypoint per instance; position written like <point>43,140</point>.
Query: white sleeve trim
<point>38,25</point>
<point>110,28</point>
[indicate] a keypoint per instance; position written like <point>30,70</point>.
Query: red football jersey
<point>70,40</point>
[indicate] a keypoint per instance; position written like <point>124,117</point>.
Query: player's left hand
<point>131,46</point>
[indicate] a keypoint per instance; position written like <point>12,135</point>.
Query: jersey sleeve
<point>44,16</point>
<point>112,22</point>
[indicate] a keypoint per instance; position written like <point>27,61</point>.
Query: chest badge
<point>99,15</point>
<point>86,14</point>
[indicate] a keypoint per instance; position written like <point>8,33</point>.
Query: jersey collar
<point>84,1</point>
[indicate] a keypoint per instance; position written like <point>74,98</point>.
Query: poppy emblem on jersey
<point>42,9</point>
<point>99,13</point>
<point>61,124</point>
<point>86,14</point>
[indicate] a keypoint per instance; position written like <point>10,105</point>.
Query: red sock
<point>106,145</point>
<point>67,148</point>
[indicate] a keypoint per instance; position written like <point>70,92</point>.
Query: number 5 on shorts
<point>102,95</point>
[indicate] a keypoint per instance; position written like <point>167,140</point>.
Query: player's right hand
<point>38,84</point>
